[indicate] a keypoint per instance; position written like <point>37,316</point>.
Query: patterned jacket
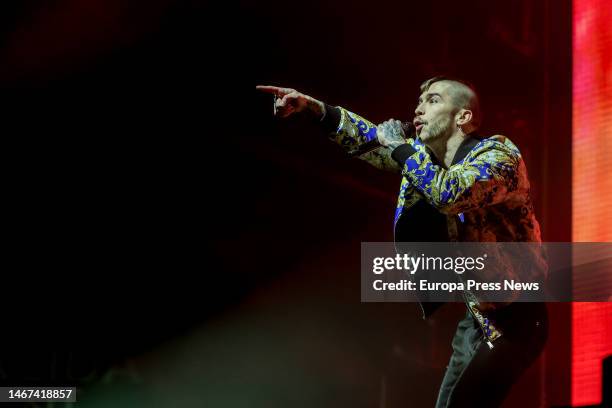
<point>482,197</point>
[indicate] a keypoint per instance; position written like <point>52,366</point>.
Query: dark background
<point>155,208</point>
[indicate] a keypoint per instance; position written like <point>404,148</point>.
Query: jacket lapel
<point>465,147</point>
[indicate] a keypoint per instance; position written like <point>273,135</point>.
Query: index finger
<point>274,90</point>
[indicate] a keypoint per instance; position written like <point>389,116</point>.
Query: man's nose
<point>419,110</point>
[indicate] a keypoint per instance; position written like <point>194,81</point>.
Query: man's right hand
<point>289,101</point>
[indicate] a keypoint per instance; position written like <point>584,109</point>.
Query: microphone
<point>409,132</point>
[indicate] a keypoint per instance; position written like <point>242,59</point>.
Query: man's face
<point>435,113</point>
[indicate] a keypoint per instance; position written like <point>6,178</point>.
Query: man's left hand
<point>390,133</point>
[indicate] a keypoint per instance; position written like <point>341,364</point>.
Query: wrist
<point>401,153</point>
<point>316,107</point>
<point>395,144</point>
<point>331,118</point>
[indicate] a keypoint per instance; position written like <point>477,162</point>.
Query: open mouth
<point>418,125</point>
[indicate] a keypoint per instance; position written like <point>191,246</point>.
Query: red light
<point>591,184</point>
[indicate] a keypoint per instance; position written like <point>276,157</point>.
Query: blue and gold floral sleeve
<point>486,176</point>
<point>381,159</point>
<point>354,131</point>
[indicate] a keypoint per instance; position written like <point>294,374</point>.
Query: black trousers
<point>478,376</point>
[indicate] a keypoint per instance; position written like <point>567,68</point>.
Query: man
<point>455,187</point>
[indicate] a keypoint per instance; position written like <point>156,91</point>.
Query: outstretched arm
<point>288,101</point>
<point>349,130</point>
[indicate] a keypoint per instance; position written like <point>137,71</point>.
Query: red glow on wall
<point>591,184</point>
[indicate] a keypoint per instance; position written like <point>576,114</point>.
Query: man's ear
<point>464,116</point>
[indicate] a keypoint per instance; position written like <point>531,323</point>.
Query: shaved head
<point>463,94</point>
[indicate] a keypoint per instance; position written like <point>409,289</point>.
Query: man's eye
<point>433,100</point>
